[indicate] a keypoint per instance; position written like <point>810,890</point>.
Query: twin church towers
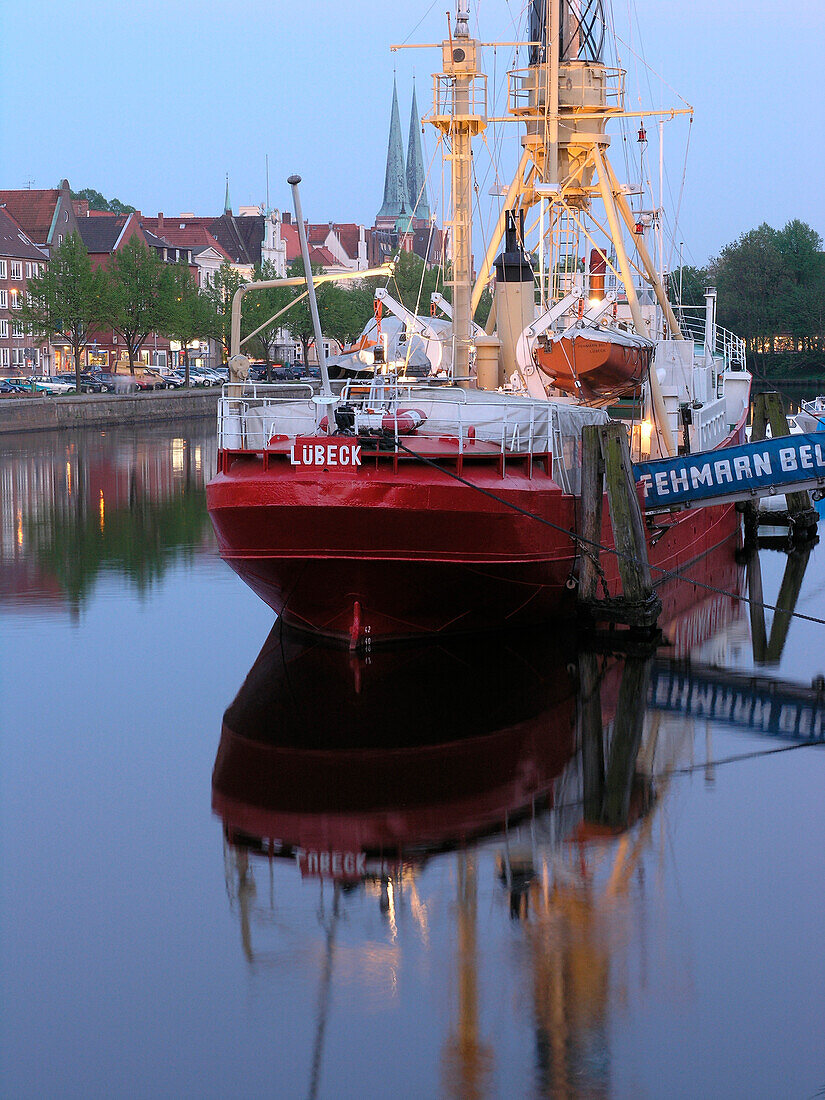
<point>405,203</point>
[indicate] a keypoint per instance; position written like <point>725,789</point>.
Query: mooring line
<point>581,540</point>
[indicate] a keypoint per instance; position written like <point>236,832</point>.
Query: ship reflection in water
<point>401,800</point>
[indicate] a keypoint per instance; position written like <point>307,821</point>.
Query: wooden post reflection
<point>624,745</point>
<point>468,1061</point>
<point>767,650</point>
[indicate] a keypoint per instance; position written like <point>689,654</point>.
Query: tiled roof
<point>349,235</point>
<point>322,256</point>
<point>32,210</point>
<point>101,234</point>
<point>317,255</point>
<point>289,235</point>
<point>240,237</point>
<point>152,240</point>
<point>13,241</point>
<point>180,233</point>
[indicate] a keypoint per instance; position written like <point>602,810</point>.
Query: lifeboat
<point>594,363</point>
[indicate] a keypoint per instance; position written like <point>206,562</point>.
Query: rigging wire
<point>582,541</point>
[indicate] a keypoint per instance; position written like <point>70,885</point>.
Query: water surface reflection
<point>76,505</point>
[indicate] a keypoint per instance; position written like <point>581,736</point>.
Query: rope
<point>581,542</point>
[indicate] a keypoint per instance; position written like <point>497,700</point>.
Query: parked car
<point>89,382</point>
<point>201,377</point>
<point>53,384</point>
<point>279,372</point>
<point>14,385</point>
<point>174,379</point>
<point>151,380</point>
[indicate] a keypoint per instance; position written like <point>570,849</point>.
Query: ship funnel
<point>515,298</point>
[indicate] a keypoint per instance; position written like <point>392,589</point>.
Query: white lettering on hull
<point>324,455</point>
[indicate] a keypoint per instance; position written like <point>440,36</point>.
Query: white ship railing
<point>250,417</point>
<point>727,344</point>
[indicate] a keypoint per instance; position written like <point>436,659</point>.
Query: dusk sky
<point>155,101</point>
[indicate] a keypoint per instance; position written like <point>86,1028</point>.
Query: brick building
<point>20,260</point>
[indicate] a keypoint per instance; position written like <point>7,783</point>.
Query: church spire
<point>227,205</point>
<point>416,182</point>
<point>396,201</point>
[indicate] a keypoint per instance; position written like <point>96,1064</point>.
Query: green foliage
<point>298,321</point>
<point>258,307</point>
<point>347,308</point>
<point>191,315</point>
<point>67,300</point>
<point>96,201</point>
<point>771,286</point>
<point>691,283</point>
<point>219,294</point>
<point>138,297</point>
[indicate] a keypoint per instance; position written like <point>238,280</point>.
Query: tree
<point>347,308</point>
<point>800,247</point>
<point>138,296</point>
<point>220,292</point>
<point>191,314</point>
<point>66,300</point>
<point>261,305</point>
<point>752,278</point>
<point>690,283</point>
<point>96,201</point>
<point>298,321</point>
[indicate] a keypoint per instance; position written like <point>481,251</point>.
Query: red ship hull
<point>401,550</point>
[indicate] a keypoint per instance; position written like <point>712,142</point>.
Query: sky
<point>154,102</point>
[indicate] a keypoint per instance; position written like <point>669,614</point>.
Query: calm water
<point>488,870</point>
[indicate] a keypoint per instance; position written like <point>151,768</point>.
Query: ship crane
<point>431,332</point>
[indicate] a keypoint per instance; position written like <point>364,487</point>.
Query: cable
<point>582,541</point>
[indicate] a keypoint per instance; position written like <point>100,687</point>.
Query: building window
<point>4,330</point>
<point>4,299</point>
<point>59,239</point>
<point>16,269</point>
<point>3,270</point>
<point>14,298</point>
<point>17,329</point>
<point>28,269</point>
<point>18,358</point>
<point>4,358</point>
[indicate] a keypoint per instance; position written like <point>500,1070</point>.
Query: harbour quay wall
<point>39,414</point>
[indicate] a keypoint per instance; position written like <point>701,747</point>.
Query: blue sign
<point>733,473</point>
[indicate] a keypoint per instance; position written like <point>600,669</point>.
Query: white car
<point>202,377</point>
<point>53,385</point>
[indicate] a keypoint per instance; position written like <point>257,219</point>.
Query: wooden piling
<point>801,517</point>
<point>606,463</point>
<point>592,492</point>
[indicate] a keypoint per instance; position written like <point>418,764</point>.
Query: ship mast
<point>459,113</point>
